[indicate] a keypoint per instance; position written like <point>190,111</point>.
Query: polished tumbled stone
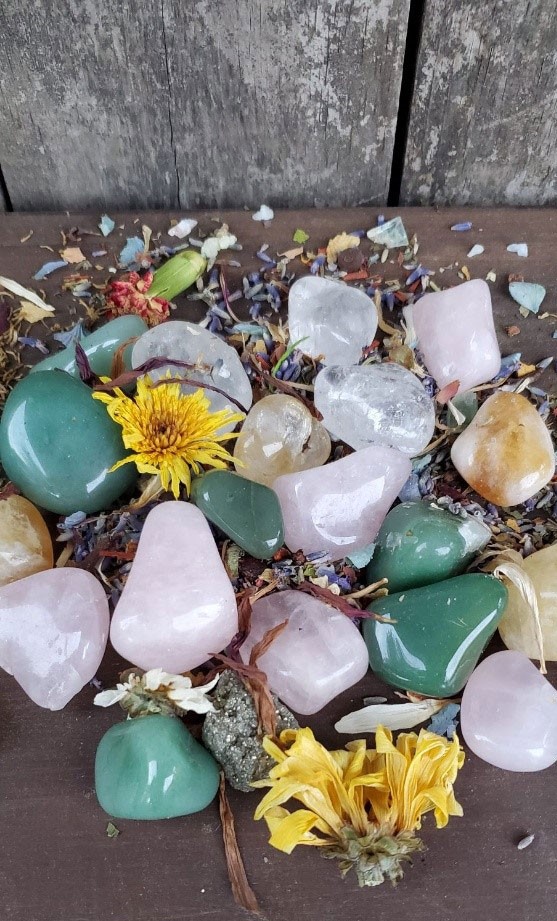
<point>100,348</point>
<point>375,404</point>
<point>25,542</point>
<point>317,656</point>
<point>438,634</point>
<point>517,627</point>
<point>340,507</point>
<point>334,320</point>
<point>58,445</point>
<point>53,633</point>
<point>456,334</point>
<point>247,512</point>
<point>178,605</point>
<point>509,714</point>
<point>420,543</point>
<point>506,453</point>
<point>151,767</point>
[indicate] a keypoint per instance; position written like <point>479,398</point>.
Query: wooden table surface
<point>56,861</point>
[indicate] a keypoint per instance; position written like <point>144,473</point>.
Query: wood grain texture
<point>56,861</point>
<point>199,104</point>
<point>482,127</point>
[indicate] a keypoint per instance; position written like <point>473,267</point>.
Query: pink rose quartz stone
<point>178,605</point>
<point>317,656</point>
<point>456,335</point>
<point>53,633</point>
<point>509,714</point>
<point>340,507</point>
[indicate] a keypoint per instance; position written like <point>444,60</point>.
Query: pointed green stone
<point>420,543</point>
<point>440,632</point>
<point>58,445</point>
<point>249,513</point>
<point>100,348</point>
<point>151,767</point>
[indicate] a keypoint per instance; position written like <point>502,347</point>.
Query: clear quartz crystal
<point>375,404</point>
<point>317,656</point>
<point>334,320</point>
<point>279,436</point>
<point>192,343</point>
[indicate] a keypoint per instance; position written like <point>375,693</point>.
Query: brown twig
<point>239,883</point>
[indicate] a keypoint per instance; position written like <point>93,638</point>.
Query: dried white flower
<point>183,228</point>
<point>264,214</point>
<point>155,687</point>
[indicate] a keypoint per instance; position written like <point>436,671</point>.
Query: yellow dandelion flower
<point>168,433</point>
<point>361,806</point>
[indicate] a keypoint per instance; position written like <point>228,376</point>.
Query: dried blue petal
<point>444,722</point>
<point>410,492</point>
<point>316,264</point>
<point>419,272</point>
<point>527,294</point>
<point>69,336</point>
<point>134,246</point>
<point>464,225</point>
<point>72,521</point>
<point>33,343</point>
<point>106,225</point>
<point>380,219</point>
<point>48,268</point>
<point>521,249</point>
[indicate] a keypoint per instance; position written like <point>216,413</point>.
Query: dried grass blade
<point>241,889</point>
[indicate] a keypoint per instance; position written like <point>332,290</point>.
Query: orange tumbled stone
<point>506,453</point>
<point>25,544</point>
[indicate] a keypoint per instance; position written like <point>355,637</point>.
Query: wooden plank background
<point>197,103</point>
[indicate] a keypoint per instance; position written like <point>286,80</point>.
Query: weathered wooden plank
<point>482,127</point>
<point>83,105</point>
<point>127,104</point>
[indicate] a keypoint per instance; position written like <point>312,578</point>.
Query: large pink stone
<point>456,334</point>
<point>509,714</point>
<point>53,633</point>
<point>317,656</point>
<point>178,604</point>
<point>340,507</point>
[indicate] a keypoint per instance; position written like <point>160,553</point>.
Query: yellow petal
<point>287,831</point>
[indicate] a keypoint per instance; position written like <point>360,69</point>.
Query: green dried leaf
<point>300,236</point>
<point>112,831</point>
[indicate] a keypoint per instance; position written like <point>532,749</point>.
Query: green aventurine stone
<point>100,348</point>
<point>247,512</point>
<point>419,543</point>
<point>58,444</point>
<point>440,632</point>
<point>151,767</point>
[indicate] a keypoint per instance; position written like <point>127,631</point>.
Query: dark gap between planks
<point>4,193</point>
<point>413,40</point>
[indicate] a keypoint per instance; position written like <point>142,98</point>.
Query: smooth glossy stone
<point>440,632</point>
<point>508,714</point>
<point>25,544</point>
<point>316,657</point>
<point>178,605</point>
<point>192,343</point>
<point>420,543</point>
<point>58,444</point>
<point>151,767</point>
<point>53,633</point>
<point>279,436</point>
<point>375,404</point>
<point>100,348</point>
<point>340,507</point>
<point>517,625</point>
<point>247,512</point>
<point>456,335</point>
<point>506,453</point>
<point>334,320</point>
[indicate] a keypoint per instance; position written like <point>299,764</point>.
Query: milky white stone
<point>53,633</point>
<point>340,507</point>
<point>317,656</point>
<point>456,335</point>
<point>191,343</point>
<point>375,404</point>
<point>509,714</point>
<point>334,320</point>
<point>178,604</point>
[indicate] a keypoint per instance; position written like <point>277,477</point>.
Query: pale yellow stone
<point>25,544</point>
<point>517,624</point>
<point>279,436</point>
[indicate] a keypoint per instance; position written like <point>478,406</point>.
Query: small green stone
<point>151,767</point>
<point>420,543</point>
<point>440,632</point>
<point>249,513</point>
<point>58,445</point>
<point>100,348</point>
<point>467,404</point>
